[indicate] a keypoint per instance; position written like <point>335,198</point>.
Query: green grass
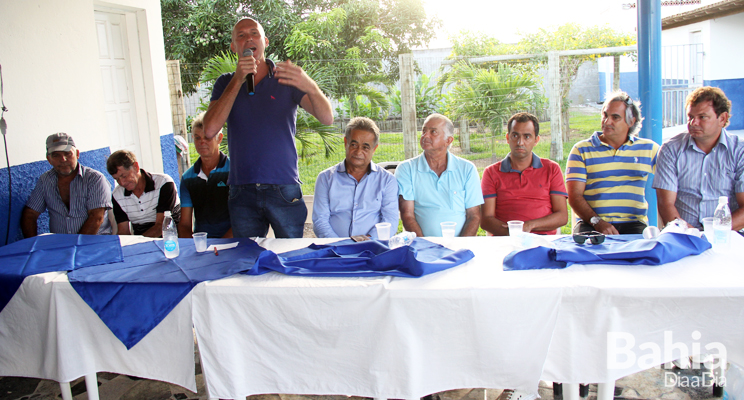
<point>484,146</point>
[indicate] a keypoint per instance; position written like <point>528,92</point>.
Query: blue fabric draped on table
<point>668,247</point>
<point>133,296</point>
<point>48,253</point>
<point>368,258</point>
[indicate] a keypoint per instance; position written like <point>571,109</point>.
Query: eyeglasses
<point>594,237</point>
<point>629,102</point>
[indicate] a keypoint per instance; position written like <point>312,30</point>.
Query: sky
<point>504,19</point>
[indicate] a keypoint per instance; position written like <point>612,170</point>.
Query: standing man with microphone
<point>264,180</point>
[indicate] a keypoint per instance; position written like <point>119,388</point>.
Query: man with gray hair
<point>606,174</point>
<point>438,186</point>
<point>76,197</point>
<point>355,194</point>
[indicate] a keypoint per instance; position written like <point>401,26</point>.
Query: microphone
<point>251,86</point>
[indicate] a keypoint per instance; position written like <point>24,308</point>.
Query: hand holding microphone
<point>249,78</point>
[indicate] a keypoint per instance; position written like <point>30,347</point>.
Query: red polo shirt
<point>523,196</point>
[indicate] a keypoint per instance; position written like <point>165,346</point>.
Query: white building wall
<point>52,83</point>
<point>727,43</point>
<point>51,76</point>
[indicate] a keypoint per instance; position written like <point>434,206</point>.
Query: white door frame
<point>143,87</point>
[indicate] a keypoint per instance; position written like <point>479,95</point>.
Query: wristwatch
<point>595,220</point>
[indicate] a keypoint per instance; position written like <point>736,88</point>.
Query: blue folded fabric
<point>667,248</point>
<point>50,253</point>
<point>133,296</point>
<point>368,258</point>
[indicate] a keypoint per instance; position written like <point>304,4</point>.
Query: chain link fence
<point>485,142</point>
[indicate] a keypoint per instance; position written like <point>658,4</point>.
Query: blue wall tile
<point>170,158</point>
<point>734,89</point>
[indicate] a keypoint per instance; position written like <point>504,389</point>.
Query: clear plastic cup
<point>448,229</point>
<point>708,228</point>
<point>515,228</point>
<point>200,241</point>
<point>383,230</point>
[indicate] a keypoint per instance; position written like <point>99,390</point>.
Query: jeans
<point>254,206</point>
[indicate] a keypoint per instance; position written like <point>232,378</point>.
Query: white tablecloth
<point>471,326</point>
<point>47,331</point>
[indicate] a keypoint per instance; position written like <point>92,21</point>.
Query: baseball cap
<point>59,142</point>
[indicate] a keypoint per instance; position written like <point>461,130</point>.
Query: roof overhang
<point>711,11</point>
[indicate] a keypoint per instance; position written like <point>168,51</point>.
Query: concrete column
<point>408,105</point>
<point>554,93</point>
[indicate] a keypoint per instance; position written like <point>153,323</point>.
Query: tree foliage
<point>196,30</point>
<point>572,36</point>
<point>428,98</point>
<point>357,43</point>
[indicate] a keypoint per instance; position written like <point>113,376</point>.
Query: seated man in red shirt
<point>523,186</point>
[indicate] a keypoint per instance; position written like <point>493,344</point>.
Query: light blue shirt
<point>699,178</point>
<point>439,198</point>
<point>343,207</point>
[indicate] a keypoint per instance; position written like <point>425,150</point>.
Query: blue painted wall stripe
<point>24,179</point>
<point>734,89</point>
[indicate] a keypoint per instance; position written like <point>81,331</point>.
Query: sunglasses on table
<point>594,237</point>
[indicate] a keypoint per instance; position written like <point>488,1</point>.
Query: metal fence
<point>484,146</point>
<point>682,72</point>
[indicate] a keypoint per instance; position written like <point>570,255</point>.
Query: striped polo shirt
<point>615,179</point>
<point>159,196</point>
<point>89,190</point>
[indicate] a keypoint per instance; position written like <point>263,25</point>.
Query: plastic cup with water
<point>515,228</point>
<point>708,228</point>
<point>200,241</point>
<point>383,230</point>
<point>448,229</point>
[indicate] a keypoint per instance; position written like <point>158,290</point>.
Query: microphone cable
<point>3,129</point>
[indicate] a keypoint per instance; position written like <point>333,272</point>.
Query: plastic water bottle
<point>402,239</point>
<point>722,225</point>
<point>170,236</point>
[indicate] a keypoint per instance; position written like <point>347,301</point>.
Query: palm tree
<point>488,96</point>
<point>307,125</point>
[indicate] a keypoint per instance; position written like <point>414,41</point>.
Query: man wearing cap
<point>76,197</point>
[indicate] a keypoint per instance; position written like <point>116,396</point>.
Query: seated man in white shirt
<point>141,197</point>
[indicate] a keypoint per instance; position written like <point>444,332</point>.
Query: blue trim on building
<point>628,83</point>
<point>24,178</point>
<point>734,89</point>
<point>170,158</point>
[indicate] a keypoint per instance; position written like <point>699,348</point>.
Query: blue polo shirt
<point>261,130</point>
<point>208,197</point>
<point>439,198</point>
